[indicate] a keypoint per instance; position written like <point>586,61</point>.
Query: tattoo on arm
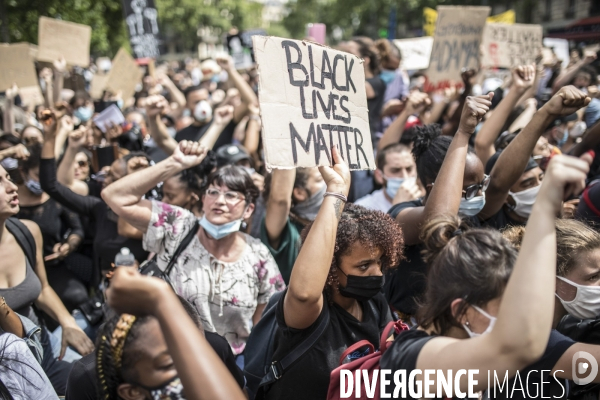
<point>338,207</point>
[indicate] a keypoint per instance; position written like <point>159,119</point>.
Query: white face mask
<point>586,303</point>
<point>487,330</point>
<point>578,130</point>
<point>524,201</point>
<point>469,208</point>
<point>202,111</point>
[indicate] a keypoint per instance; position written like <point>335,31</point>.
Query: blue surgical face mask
<point>34,187</point>
<point>84,113</point>
<point>470,208</point>
<point>220,231</point>
<point>564,138</point>
<point>120,104</point>
<point>393,184</point>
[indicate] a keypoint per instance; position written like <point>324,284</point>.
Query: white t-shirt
<point>21,373</point>
<point>375,201</point>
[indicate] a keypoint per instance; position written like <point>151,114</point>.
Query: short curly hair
<point>371,228</point>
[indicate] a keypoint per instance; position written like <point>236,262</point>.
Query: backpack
<point>585,331</point>
<point>368,362</point>
<point>260,370</point>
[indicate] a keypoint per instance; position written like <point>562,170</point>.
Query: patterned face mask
<point>172,390</point>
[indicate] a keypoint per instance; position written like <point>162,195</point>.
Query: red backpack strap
<point>355,347</point>
<point>397,327</point>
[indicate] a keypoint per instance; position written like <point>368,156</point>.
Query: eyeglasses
<point>471,190</point>
<point>230,197</point>
<point>82,163</point>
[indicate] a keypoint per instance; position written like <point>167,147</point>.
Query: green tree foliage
<point>104,16</point>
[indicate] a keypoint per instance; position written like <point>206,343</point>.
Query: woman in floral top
<point>227,275</point>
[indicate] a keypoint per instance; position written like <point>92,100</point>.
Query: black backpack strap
<point>24,238</point>
<point>184,243</point>
<point>278,368</point>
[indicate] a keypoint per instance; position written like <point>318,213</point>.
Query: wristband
<point>338,195</point>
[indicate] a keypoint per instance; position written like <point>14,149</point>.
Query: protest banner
<point>456,43</point>
<point>124,75</point>
<point>561,49</point>
<point>415,52</point>
<point>506,46</point>
<point>142,25</point>
<point>241,54</point>
<point>97,85</point>
<point>430,16</point>
<point>67,39</point>
<point>312,98</point>
<point>16,66</point>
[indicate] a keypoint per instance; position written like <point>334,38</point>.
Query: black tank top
<point>21,297</point>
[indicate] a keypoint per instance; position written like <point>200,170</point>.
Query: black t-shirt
<point>406,283</point>
<point>195,133</point>
<point>82,383</point>
<point>532,381</point>
<point>308,378</point>
<point>376,104</point>
<point>501,220</point>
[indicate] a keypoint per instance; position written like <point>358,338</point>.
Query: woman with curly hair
<point>337,277</point>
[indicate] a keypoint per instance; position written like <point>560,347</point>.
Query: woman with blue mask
<point>227,275</point>
<point>486,307</point>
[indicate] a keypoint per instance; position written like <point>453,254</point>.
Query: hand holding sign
<point>473,111</point>
<point>568,100</point>
<point>337,178</point>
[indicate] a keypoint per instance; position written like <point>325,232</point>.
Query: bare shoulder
<point>33,228</point>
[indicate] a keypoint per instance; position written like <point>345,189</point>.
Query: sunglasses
<point>472,190</point>
<point>82,163</point>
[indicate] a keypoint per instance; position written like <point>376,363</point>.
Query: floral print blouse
<point>225,294</point>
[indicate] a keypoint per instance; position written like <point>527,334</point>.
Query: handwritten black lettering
<point>305,145</point>
<point>320,85</point>
<point>286,44</point>
<point>335,77</point>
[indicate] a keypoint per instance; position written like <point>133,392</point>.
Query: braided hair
<point>110,375</point>
<point>370,228</point>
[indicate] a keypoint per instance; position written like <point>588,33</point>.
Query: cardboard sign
<point>456,42</point>
<point>415,52</point>
<point>142,25</point>
<point>430,17</point>
<point>67,39</point>
<point>507,46</point>
<point>16,66</point>
<point>124,75</point>
<point>312,98</point>
<point>97,85</point>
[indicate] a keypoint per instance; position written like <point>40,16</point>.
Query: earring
<point>467,323</point>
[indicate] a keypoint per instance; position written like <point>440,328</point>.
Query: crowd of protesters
<point>156,274</point>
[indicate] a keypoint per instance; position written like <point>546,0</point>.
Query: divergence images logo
<point>581,368</point>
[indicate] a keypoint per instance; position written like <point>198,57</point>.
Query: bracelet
<point>338,195</point>
<point>255,118</point>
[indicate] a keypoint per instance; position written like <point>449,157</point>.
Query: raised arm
<point>590,140</point>
<point>512,161</point>
<point>520,334</point>
<point>279,204</point>
<point>415,104</point>
<point>445,194</point>
<point>252,138</point>
<point>450,127</point>
<point>9,115</point>
<point>202,373</point>
<point>48,77</point>
<point>60,69</point>
<point>304,299</point>
<point>246,92</point>
<point>221,118</point>
<point>175,93</point>
<point>66,173</point>
<point>156,106</point>
<point>522,79</point>
<point>124,196</point>
<point>525,117</point>
<point>567,75</point>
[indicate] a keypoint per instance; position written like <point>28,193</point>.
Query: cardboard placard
<point>97,85</point>
<point>456,42</point>
<point>311,99</point>
<point>124,75</point>
<point>67,39</point>
<point>415,52</point>
<point>16,66</point>
<point>141,19</point>
<point>507,46</point>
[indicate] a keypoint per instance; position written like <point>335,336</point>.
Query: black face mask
<point>362,288</point>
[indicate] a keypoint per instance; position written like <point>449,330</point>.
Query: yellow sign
<point>430,17</point>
